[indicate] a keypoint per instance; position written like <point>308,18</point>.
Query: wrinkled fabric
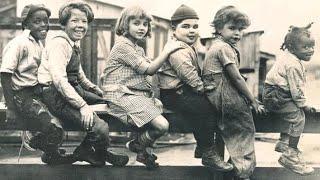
<point>181,68</point>
<point>57,55</point>
<point>21,57</point>
<point>288,73</point>
<point>233,113</point>
<point>60,105</point>
<point>197,111</point>
<point>28,102</point>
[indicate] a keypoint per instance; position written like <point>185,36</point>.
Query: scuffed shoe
<point>148,159</point>
<point>281,146</point>
<point>212,159</point>
<point>116,159</point>
<point>88,153</point>
<point>291,159</point>
<point>198,152</point>
<point>57,158</point>
<point>143,156</point>
<point>135,146</point>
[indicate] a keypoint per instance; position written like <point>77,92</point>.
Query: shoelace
<point>25,140</point>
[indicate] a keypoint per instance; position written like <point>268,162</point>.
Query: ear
<point>173,27</point>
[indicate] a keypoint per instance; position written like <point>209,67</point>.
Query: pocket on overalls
<point>272,99</point>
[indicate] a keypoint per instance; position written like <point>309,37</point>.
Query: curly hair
<point>65,12</point>
<point>293,36</point>
<point>122,25</point>
<point>230,14</point>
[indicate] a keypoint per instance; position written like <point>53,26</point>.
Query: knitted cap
<point>184,12</point>
<point>31,8</point>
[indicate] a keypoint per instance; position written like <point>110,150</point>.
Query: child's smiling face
<point>77,25</point>
<point>231,32</point>
<point>187,31</point>
<point>138,28</point>
<point>304,49</point>
<point>38,24</point>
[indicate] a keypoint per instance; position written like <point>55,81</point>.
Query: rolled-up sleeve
<point>58,58</point>
<point>181,62</point>
<point>296,86</point>
<point>226,56</point>
<point>129,56</point>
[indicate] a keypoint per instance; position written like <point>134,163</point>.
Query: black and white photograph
<point>159,90</point>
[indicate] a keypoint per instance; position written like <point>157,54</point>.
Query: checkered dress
<point>126,85</point>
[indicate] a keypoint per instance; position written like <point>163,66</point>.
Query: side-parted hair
<point>122,25</point>
<point>293,36</point>
<point>65,11</point>
<point>230,14</point>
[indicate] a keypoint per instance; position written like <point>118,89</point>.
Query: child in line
<point>66,90</point>
<point>284,93</point>
<point>181,88</point>
<point>227,90</point>
<point>126,83</point>
<point>19,68</point>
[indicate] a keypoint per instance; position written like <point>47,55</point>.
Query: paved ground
<point>181,155</point>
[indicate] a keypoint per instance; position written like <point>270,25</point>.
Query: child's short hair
<point>230,14</point>
<point>122,26</point>
<point>65,11</point>
<point>28,10</point>
<point>294,35</point>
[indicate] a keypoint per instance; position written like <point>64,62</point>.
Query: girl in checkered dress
<point>127,86</point>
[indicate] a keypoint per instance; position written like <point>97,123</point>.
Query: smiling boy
<point>181,88</point>
<point>67,92</point>
<point>19,68</point>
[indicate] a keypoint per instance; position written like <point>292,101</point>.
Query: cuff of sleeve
<point>83,103</point>
<point>300,104</point>
<point>226,64</point>
<point>6,71</point>
<point>143,66</point>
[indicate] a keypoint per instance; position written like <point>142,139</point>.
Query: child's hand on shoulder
<point>172,46</point>
<point>309,109</point>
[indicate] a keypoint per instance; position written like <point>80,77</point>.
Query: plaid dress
<point>127,87</point>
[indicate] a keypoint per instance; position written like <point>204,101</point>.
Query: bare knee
<point>160,124</point>
<point>100,127</point>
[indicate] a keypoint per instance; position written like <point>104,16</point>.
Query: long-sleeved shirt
<point>21,57</point>
<point>55,59</point>
<point>288,73</point>
<point>181,68</point>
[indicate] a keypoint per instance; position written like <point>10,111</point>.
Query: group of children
<point>49,86</point>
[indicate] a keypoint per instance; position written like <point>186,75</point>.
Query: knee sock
<point>284,136</point>
<point>293,142</point>
<point>145,139</point>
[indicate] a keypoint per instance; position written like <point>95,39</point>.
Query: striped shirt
<point>181,68</point>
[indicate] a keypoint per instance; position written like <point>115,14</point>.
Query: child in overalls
<point>127,86</point>
<point>67,92</point>
<point>20,61</point>
<point>284,94</point>
<point>228,92</point>
<point>181,88</point>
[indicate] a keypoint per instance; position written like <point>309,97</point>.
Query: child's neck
<point>36,39</point>
<point>132,39</point>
